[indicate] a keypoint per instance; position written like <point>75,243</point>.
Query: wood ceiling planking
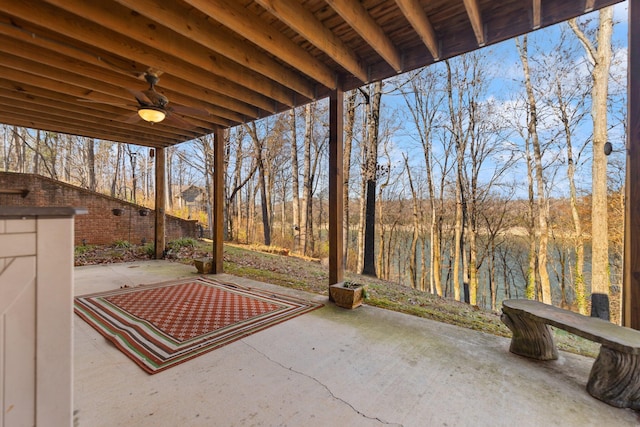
<point>238,60</point>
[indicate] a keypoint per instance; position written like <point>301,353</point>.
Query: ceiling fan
<point>154,107</point>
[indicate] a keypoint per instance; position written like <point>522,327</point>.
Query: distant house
<point>193,198</point>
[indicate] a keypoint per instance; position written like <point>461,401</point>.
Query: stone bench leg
<point>530,338</point>
<point>615,378</point>
<point>203,265</point>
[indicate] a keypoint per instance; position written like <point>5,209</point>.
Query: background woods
<point>478,178</point>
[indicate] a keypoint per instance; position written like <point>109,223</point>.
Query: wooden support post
<point>336,248</point>
<point>631,278</point>
<point>161,201</point>
<point>218,200</point>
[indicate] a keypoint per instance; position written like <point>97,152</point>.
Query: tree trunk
<point>169,154</point>
<point>373,123</point>
<point>601,60</point>
<point>350,110</point>
<point>116,173</point>
<point>265,198</point>
<point>306,220</point>
<point>578,238</point>
<point>413,253</point>
<point>542,203</point>
<point>368,259</point>
<point>91,163</point>
<point>264,201</point>
<point>295,181</point>
<point>461,219</point>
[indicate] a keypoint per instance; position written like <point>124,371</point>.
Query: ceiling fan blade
<point>190,111</point>
<point>131,118</point>
<point>176,120</point>
<point>126,67</point>
<point>140,96</point>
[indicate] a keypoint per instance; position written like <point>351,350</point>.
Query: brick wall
<point>100,226</point>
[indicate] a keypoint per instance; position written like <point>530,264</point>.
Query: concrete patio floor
<point>330,367</point>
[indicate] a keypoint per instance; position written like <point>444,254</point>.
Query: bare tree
<point>373,97</point>
<point>423,99</point>
<point>265,176</point>
<point>295,180</point>
<point>306,220</point>
<point>542,203</point>
<point>568,102</point>
<point>460,138</point>
<point>599,56</point>
<point>350,112</point>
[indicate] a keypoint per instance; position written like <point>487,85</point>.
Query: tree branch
<point>586,43</point>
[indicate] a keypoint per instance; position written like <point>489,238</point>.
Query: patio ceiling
<point>66,65</point>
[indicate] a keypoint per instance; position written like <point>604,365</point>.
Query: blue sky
<point>505,69</point>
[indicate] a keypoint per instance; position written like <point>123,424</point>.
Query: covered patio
<point>79,68</point>
<point>364,367</point>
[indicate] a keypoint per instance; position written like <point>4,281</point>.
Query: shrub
<point>185,242</point>
<point>82,249</point>
<point>122,244</point>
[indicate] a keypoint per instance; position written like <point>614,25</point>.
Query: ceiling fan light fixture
<point>151,114</point>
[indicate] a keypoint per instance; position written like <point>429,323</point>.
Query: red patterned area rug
<point>159,326</point>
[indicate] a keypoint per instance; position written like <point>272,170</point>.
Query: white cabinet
<point>36,314</point>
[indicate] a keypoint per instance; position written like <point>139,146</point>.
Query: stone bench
<point>615,375</point>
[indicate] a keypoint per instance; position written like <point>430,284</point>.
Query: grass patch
<point>82,249</point>
<point>185,242</point>
<point>122,244</point>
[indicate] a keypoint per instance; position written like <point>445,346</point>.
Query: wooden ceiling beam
<point>74,71</point>
<point>119,113</point>
<point>417,17</point>
<point>589,5</point>
<point>33,120</point>
<point>71,130</point>
<point>104,39</point>
<point>57,86</point>
<point>303,22</point>
<point>473,11</point>
<point>251,27</point>
<point>165,42</point>
<point>537,14</point>
<point>113,119</point>
<point>198,28</point>
<point>46,101</point>
<point>361,21</point>
<point>22,43</point>
<point>83,83</point>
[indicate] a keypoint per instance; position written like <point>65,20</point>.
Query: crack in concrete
<point>317,381</point>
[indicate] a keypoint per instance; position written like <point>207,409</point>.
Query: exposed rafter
<point>359,19</point>
<point>419,20</point>
<point>197,27</point>
<point>307,25</point>
<point>536,12</point>
<point>473,10</point>
<point>167,46</point>
<point>249,26</point>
